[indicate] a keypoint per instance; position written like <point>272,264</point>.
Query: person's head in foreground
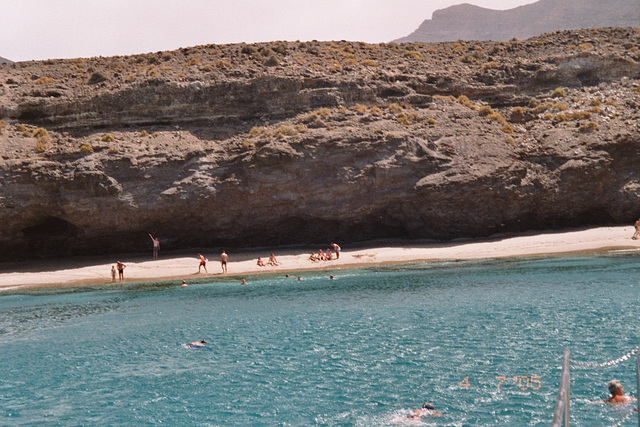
<point>617,393</point>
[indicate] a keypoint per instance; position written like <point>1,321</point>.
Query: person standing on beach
<point>120,267</point>
<point>156,246</point>
<point>637,233</point>
<point>224,259</point>
<point>336,249</point>
<point>203,263</point>
<point>113,273</point>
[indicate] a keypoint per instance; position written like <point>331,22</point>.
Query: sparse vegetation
<point>108,137</point>
<point>413,54</point>
<point>507,128</point>
<point>394,108</point>
<point>589,127</point>
<point>559,93</point>
<point>44,80</point>
<point>86,148</point>
<point>464,100</point>
<point>284,131</point>
<point>359,108</point>
<point>42,135</point>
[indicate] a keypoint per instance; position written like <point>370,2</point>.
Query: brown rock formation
<point>216,145</point>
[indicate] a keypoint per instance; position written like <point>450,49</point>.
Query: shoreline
<point>77,272</point>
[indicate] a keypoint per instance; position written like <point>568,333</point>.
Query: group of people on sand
<point>224,260</point>
<point>119,267</point>
<point>325,256</point>
<point>272,261</point>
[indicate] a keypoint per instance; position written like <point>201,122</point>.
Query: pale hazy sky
<point>42,29</point>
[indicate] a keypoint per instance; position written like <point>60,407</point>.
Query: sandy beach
<point>95,271</point>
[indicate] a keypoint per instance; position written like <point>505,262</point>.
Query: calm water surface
<point>483,342</point>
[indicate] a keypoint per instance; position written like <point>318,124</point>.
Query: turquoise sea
<point>482,341</point>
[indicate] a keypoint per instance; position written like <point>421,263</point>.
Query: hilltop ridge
<point>469,22</point>
<point>302,143</point>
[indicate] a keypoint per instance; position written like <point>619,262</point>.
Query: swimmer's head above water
<point>428,406</point>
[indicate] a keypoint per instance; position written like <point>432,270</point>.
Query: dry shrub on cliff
<point>359,108</point>
<point>86,148</point>
<point>413,54</point>
<point>143,134</point>
<point>41,147</point>
<point>485,110</point>
<point>559,93</point>
<point>256,131</point>
<point>23,129</point>
<point>596,102</point>
<point>431,121</point>
<point>44,80</point>
<point>108,137</point>
<point>369,63</point>
<point>334,66</point>
<point>284,130</point>
<point>375,111</point>
<point>3,126</point>
<point>220,64</point>
<point>507,128</point>
<point>41,134</point>
<point>192,61</point>
<point>489,66</point>
<point>403,119</point>
<point>589,127</point>
<point>464,100</point>
<point>444,98</point>
<point>394,108</point>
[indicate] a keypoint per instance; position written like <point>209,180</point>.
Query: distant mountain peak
<point>468,22</point>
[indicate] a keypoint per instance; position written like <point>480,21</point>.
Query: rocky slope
<point>283,143</point>
<point>5,61</point>
<point>468,22</point>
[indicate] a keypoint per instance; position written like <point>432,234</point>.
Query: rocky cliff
<point>283,143</point>
<point>468,22</point>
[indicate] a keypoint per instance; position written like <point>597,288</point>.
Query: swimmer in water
<point>427,409</point>
<point>196,344</point>
<point>617,394</point>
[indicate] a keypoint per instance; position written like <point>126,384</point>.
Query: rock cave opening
<point>51,228</point>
